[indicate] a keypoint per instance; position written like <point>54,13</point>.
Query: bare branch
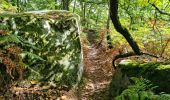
<point>161,12</point>
<point>129,54</point>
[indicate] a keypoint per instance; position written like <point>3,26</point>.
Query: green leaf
<point>31,55</point>
<point>9,39</point>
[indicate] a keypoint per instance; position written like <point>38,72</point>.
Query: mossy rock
<point>50,43</point>
<point>156,72</point>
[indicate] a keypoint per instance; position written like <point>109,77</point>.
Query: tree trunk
<point>83,9</point>
<point>109,41</point>
<point>55,4</point>
<point>119,28</point>
<point>65,4</point>
<point>88,15</point>
<point>98,14</point>
<point>12,2</point>
<point>18,6</point>
<point>74,6</point>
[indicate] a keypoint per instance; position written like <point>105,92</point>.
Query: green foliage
<point>141,89</point>
<point>136,15</point>
<point>141,84</point>
<point>9,39</point>
<point>155,72</point>
<point>5,6</point>
<point>135,91</point>
<point>148,27</point>
<point>119,82</point>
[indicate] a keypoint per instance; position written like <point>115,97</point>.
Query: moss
<point>157,73</point>
<point>50,43</point>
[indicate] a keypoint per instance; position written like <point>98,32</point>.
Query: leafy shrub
<point>141,89</point>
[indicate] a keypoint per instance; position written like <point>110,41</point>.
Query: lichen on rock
<point>50,43</point>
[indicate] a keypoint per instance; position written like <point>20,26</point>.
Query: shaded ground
<point>97,76</point>
<point>97,72</point>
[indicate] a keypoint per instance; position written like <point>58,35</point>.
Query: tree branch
<point>123,31</point>
<point>129,54</point>
<point>161,12</point>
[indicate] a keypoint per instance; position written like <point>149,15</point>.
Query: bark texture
<point>119,28</point>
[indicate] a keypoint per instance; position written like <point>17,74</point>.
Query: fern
<point>31,55</point>
<point>9,39</point>
<point>164,97</point>
<point>25,43</point>
<point>141,90</point>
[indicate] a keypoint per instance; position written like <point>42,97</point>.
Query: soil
<point>98,72</point>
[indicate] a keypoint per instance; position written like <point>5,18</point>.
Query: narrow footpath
<point>98,73</point>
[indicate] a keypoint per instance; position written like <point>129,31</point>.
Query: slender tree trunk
<point>12,2</point>
<point>83,9</point>
<point>55,4</point>
<point>88,15</point>
<point>119,28</point>
<point>18,6</point>
<point>98,14</point>
<point>65,4</point>
<point>109,41</point>
<point>74,6</point>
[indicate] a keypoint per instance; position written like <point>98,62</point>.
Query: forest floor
<point>98,71</point>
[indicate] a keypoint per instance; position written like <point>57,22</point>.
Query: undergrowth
<point>147,81</point>
<point>156,72</point>
<point>141,89</point>
<point>10,56</point>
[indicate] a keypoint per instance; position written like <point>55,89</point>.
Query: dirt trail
<point>98,73</point>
